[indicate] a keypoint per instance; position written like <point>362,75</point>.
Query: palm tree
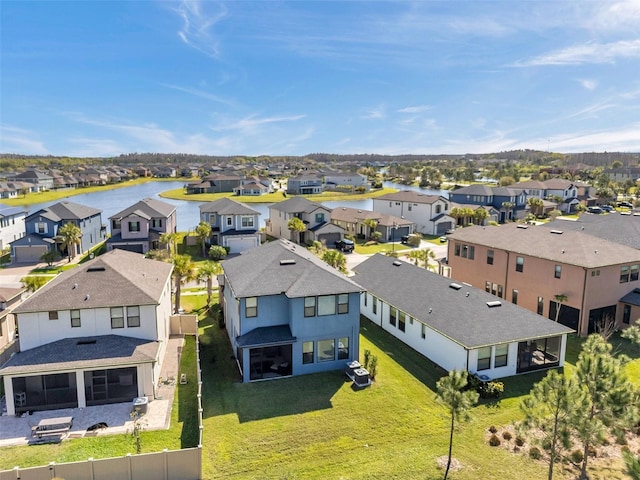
<point>559,298</point>
<point>421,256</point>
<point>296,225</point>
<point>480,215</point>
<point>508,206</point>
<point>71,236</point>
<point>184,270</point>
<point>372,224</point>
<point>458,402</point>
<point>536,205</point>
<point>33,282</point>
<point>203,231</point>
<point>206,272</point>
<point>169,239</point>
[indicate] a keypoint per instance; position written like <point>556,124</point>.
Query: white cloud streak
<point>588,53</point>
<point>19,140</point>
<point>197,26</point>
<point>201,94</point>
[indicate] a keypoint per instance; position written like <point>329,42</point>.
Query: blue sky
<point>293,77</point>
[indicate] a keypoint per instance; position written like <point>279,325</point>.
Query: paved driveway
<point>10,276</point>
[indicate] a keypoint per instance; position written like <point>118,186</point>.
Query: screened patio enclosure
<point>45,392</point>
<point>538,354</point>
<point>270,362</point>
<point>114,385</point>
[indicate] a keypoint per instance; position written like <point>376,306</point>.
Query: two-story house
<point>565,190</point>
<point>215,183</point>
<point>39,180</point>
<point>430,213</point>
<point>304,184</point>
<point>288,313</point>
<point>336,180</point>
<point>138,227</point>
<point>315,217</point>
<point>94,335</point>
<point>12,226</point>
<point>454,325</point>
<point>510,204</point>
<point>352,220</point>
<point>571,276</point>
<point>42,226</point>
<point>233,224</point>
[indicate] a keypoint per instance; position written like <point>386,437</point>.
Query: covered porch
<point>538,354</point>
<point>266,352</point>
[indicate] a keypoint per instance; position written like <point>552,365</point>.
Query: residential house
<point>430,213</point>
<point>138,227</point>
<point>288,313</point>
<point>335,180</point>
<point>352,220</point>
<point>578,278</point>
<point>10,297</point>
<point>233,224</point>
<point>10,189</point>
<point>42,227</point>
<point>215,183</point>
<point>304,184</point>
<point>39,180</point>
<point>510,204</point>
<point>315,216</point>
<point>617,227</point>
<point>251,188</point>
<point>456,326</point>
<point>94,335</point>
<point>622,174</point>
<point>12,226</point>
<point>565,190</point>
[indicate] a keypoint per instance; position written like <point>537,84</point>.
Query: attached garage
<point>139,248</point>
<point>327,233</point>
<point>444,227</point>
<point>241,244</point>
<point>29,253</point>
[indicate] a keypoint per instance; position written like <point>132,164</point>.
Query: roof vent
<point>522,225</point>
<point>494,303</point>
<point>467,294</point>
<point>397,263</point>
<point>87,342</point>
<point>75,285</point>
<point>95,269</point>
<point>455,286</point>
<point>558,232</point>
<point>288,261</point>
<point>87,297</point>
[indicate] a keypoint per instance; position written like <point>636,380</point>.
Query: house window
<point>343,303</point>
<point>229,221</point>
<point>251,307</point>
<point>247,222</point>
<point>134,226</point>
<point>484,358</point>
<point>540,305</point>
<point>558,271</point>
<point>456,250</point>
<point>53,315</point>
<point>41,228</point>
<point>626,314</point>
<point>75,318</point>
<point>115,224</point>
<point>465,250</point>
<point>307,352</point>
<point>156,223</point>
<point>438,208</point>
<point>325,350</point>
<point>375,305</point>
<point>494,289</point>
<point>319,217</point>
<point>635,269</point>
<point>487,287</point>
<point>327,305</point>
<point>519,264</point>
<point>501,355</point>
<point>409,207</point>
<point>514,296</point>
<point>401,321</point>
<point>343,348</point>
<point>117,317</point>
<point>424,331</point>
<point>392,316</point>
<point>624,274</point>
<point>365,299</point>
<point>472,251</point>
<point>309,306</point>
<point>500,291</point>
<point>489,257</point>
<point>133,316</point>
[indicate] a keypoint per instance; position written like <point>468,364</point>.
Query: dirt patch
<point>455,463</point>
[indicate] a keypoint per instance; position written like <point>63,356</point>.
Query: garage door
<point>444,227</point>
<point>130,248</point>
<point>239,245</point>
<point>329,239</point>
<point>29,253</point>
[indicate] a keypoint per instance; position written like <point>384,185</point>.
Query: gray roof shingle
<point>116,278</point>
<point>296,205</point>
<point>67,211</point>
<point>226,206</point>
<point>410,196</point>
<point>614,227</point>
<point>465,319</point>
<point>282,267</point>
<point>150,206</point>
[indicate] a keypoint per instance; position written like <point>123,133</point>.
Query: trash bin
<point>140,404</point>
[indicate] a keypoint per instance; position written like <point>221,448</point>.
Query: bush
<point>217,253</point>
<point>373,367</point>
<point>507,436</point>
<point>519,441</point>
<point>535,453</point>
<point>494,441</point>
<point>493,429</point>
<point>414,240</point>
<point>367,359</point>
<point>576,456</point>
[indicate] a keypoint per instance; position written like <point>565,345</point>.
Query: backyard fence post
<point>166,463</point>
<point>128,456</point>
<point>17,470</point>
<point>93,475</point>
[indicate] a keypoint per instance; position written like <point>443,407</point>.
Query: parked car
<point>596,210</point>
<point>443,239</point>
<point>404,239</point>
<point>345,245</point>
<point>625,204</point>
<point>607,208</point>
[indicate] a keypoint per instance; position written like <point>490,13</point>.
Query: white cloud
<point>415,109</point>
<point>586,53</point>
<point>374,113</point>
<point>625,139</point>
<point>19,140</point>
<point>200,93</point>
<point>588,84</point>
<point>197,25</point>
<point>252,121</point>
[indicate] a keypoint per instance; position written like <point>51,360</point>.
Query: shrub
<point>367,359</point>
<point>507,435</point>
<point>414,240</point>
<point>576,456</point>
<point>493,429</point>
<point>494,441</point>
<point>373,367</point>
<point>519,441</point>
<point>535,453</point>
<point>217,253</point>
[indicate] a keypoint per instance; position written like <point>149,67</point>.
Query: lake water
<point>188,213</point>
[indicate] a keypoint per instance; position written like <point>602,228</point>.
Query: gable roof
<point>632,298</point>
<point>346,214</point>
<point>11,211</point>
<point>66,211</point>
<point>410,196</point>
<point>149,206</point>
<point>116,278</point>
<point>282,267</point>
<point>461,315</point>
<point>567,247</point>
<point>226,206</point>
<point>614,227</point>
<point>296,205</point>
<point>474,189</point>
